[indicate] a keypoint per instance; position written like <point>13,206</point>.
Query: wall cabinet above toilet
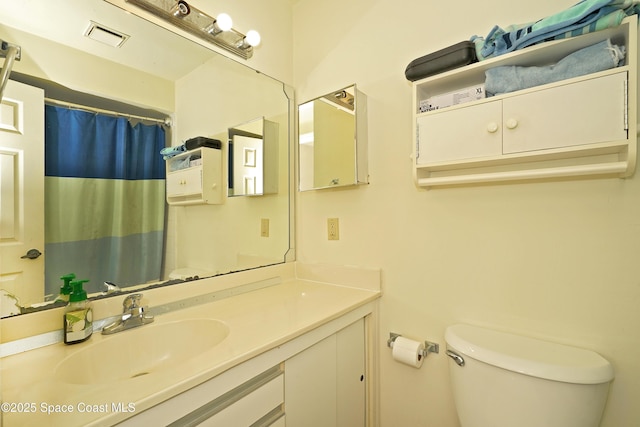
<point>581,126</point>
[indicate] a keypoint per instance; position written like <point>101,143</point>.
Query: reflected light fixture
<point>218,31</point>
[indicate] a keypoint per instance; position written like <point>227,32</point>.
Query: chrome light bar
<point>201,25</point>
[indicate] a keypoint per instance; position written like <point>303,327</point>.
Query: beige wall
<point>556,260</point>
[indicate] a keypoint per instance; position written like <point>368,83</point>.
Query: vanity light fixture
<point>218,31</point>
<point>180,9</point>
<point>222,23</point>
<point>252,39</point>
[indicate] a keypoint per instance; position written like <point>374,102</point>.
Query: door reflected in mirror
<point>253,158</point>
<point>332,138</point>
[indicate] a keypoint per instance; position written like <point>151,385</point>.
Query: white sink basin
<point>141,351</point>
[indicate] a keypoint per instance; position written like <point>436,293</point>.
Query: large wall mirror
<point>332,138</point>
<point>187,89</point>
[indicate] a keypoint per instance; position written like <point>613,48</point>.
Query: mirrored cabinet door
<point>253,158</point>
<point>332,138</point>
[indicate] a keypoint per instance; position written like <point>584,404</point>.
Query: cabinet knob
<point>512,124</point>
<point>492,127</point>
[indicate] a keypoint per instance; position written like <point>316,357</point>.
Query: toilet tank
<point>505,380</point>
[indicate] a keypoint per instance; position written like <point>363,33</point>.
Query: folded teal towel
<point>598,57</point>
<point>584,17</point>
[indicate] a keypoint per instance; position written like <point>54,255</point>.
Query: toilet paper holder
<point>429,347</point>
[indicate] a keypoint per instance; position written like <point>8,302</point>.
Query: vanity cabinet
<point>325,384</point>
<point>317,379</point>
<point>576,127</point>
<point>195,177</point>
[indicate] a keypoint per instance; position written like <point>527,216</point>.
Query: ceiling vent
<point>105,35</point>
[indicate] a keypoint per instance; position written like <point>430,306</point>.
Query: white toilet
<point>505,380</point>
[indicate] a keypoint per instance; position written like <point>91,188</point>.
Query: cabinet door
<point>310,386</point>
<point>325,384</point>
<point>585,112</point>
<point>350,370</point>
<point>187,181</point>
<point>463,133</point>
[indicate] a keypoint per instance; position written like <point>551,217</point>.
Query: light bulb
<point>224,22</point>
<point>252,38</point>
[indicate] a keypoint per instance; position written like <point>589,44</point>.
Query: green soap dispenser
<point>65,289</point>
<point>78,316</point>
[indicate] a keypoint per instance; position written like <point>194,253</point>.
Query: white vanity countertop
<point>258,321</point>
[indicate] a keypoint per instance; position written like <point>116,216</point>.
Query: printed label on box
<point>471,93</point>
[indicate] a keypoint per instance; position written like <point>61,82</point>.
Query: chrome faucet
<point>133,315</point>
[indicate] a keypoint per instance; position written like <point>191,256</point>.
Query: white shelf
<point>195,177</point>
<point>515,137</point>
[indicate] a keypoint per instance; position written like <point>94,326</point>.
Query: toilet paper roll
<point>408,351</point>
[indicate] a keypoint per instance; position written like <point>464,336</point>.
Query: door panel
<point>463,133</point>
<point>586,112</point>
<point>22,192</point>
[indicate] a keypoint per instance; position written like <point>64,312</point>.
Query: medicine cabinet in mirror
<point>253,158</point>
<point>332,138</point>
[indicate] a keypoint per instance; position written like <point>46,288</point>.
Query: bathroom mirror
<point>332,138</point>
<point>157,73</point>
<point>253,158</point>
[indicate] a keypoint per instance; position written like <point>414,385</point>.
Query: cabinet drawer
<point>184,182</point>
<point>586,112</point>
<point>463,133</point>
<point>250,408</point>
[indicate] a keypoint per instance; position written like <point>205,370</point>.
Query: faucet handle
<point>131,301</point>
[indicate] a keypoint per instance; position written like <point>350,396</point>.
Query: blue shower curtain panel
<point>104,199</point>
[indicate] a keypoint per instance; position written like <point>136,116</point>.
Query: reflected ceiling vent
<point>105,35</point>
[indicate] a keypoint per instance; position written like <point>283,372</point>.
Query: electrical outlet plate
<point>333,229</point>
<point>264,227</point>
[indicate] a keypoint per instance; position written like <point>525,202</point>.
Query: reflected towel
<point>169,152</point>
<point>598,57</point>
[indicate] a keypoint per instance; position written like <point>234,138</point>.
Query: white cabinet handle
<point>512,124</point>
<point>492,127</point>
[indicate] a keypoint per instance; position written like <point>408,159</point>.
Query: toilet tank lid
<point>529,356</point>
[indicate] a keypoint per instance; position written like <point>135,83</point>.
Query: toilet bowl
<point>505,380</point>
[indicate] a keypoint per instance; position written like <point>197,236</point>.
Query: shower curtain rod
<point>166,121</point>
<point>10,52</point>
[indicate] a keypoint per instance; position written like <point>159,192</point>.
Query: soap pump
<point>65,289</point>
<point>78,316</point>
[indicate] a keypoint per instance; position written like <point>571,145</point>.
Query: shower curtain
<point>104,199</point>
